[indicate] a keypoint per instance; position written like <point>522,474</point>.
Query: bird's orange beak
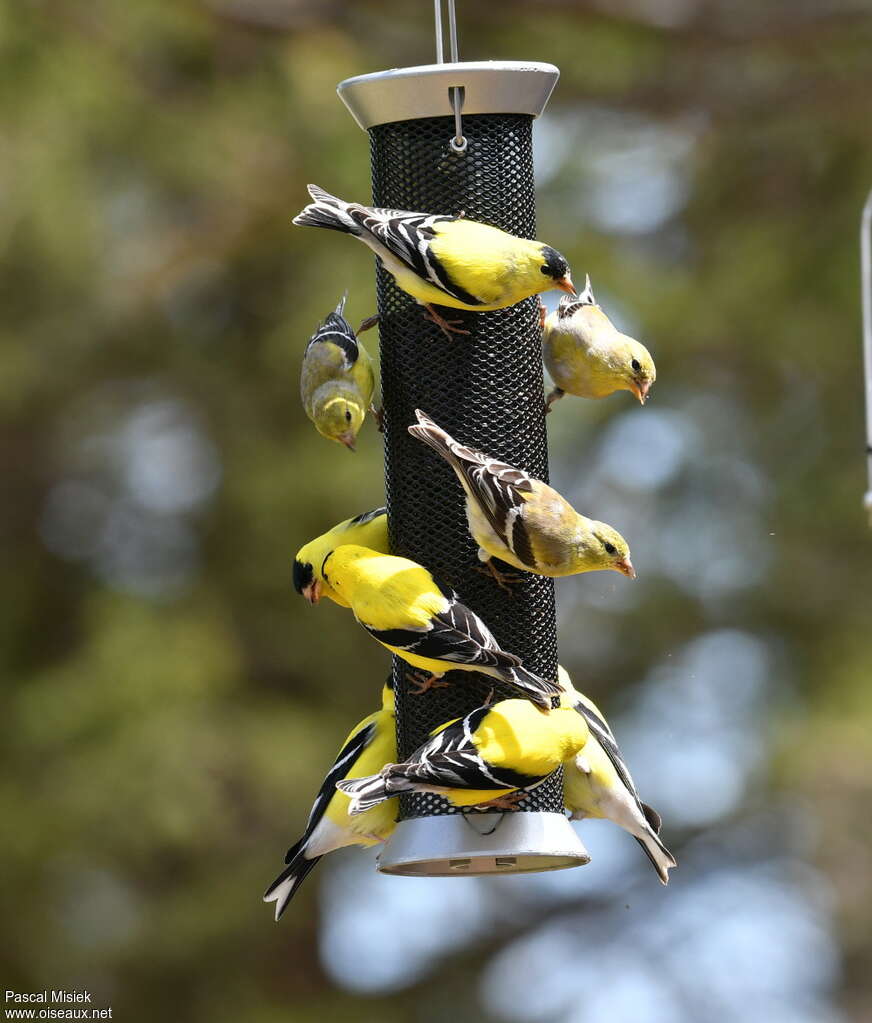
<point>640,388</point>
<point>348,439</point>
<point>565,284</point>
<point>312,592</point>
<point>625,567</point>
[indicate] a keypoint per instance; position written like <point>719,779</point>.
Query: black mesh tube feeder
<point>447,138</point>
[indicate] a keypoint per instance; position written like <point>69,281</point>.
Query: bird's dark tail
<point>327,211</point>
<point>661,858</point>
<point>285,886</point>
<point>537,689</point>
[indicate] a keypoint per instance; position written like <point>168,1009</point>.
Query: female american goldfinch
<point>522,520</point>
<point>337,379</point>
<point>399,603</point>
<point>367,530</point>
<point>586,355</point>
<point>494,756</point>
<point>598,784</point>
<point>370,746</point>
<point>442,260</point>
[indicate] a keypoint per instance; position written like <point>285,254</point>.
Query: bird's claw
<point>508,802</point>
<point>446,326</point>
<point>555,395</point>
<point>505,580</point>
<point>543,314</point>
<point>423,682</point>
<point>379,415</point>
<point>366,324</point>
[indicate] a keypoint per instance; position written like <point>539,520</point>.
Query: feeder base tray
<point>457,845</point>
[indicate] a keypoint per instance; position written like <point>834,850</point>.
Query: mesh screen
<point>486,390</point>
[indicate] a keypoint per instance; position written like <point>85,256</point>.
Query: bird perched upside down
<point>367,530</point>
<point>337,379</point>
<point>522,520</point>
<point>491,755</point>
<point>443,260</point>
<point>597,783</point>
<point>399,603</point>
<point>587,356</point>
<point>370,746</point>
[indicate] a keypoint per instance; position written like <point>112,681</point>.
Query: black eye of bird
<point>347,416</point>
<point>636,366</point>
<point>610,548</point>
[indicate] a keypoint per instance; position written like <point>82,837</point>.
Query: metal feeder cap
<point>489,87</point>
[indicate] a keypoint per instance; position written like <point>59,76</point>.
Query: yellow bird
<point>337,380</point>
<point>399,603</point>
<point>443,260</point>
<point>522,520</point>
<point>597,783</point>
<point>368,530</point>
<point>370,746</point>
<point>490,759</point>
<point>588,356</point>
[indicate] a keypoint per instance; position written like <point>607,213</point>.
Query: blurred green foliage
<point>169,713</point>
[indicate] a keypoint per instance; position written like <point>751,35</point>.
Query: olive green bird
<point>522,520</point>
<point>445,260</point>
<point>588,356</point>
<point>337,379</point>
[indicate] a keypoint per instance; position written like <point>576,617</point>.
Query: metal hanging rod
<point>866,284</point>
<point>458,143</point>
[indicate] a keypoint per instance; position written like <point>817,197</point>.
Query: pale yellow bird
<point>443,260</point>
<point>588,356</point>
<point>337,379</point>
<point>522,520</point>
<point>597,783</point>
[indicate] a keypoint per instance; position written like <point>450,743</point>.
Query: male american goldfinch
<point>586,355</point>
<point>337,379</point>
<point>399,603</point>
<point>495,755</point>
<point>443,260</point>
<point>598,784</point>
<point>367,530</point>
<point>370,746</point>
<point>522,520</point>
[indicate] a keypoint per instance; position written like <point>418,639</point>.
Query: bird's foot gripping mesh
<point>485,389</point>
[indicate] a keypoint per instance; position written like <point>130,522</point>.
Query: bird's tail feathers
<point>340,308</point>
<point>365,793</point>
<point>652,817</point>
<point>570,304</point>
<point>539,690</point>
<point>442,442</point>
<point>660,857</point>
<point>285,886</point>
<point>327,211</point>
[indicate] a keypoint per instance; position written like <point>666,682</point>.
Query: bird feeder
<point>453,138</point>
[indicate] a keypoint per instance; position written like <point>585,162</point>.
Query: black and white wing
<point>338,331</point>
<point>364,517</point>
<point>456,634</point>
<point>606,738</point>
<point>498,489</point>
<point>345,761</point>
<point>450,759</point>
<point>405,235</point>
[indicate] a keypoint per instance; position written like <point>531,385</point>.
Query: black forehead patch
<point>555,266</point>
<point>304,575</point>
